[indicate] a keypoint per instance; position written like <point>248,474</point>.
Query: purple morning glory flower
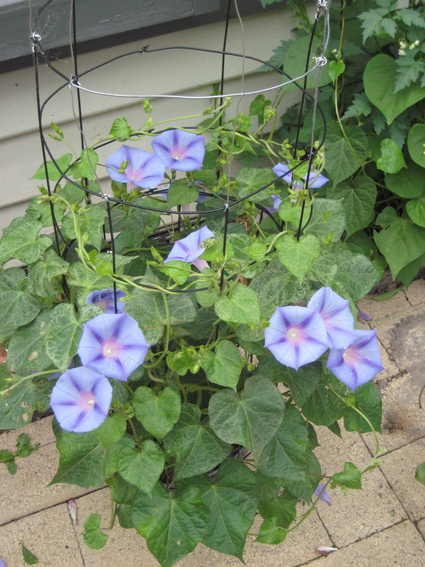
<point>296,335</point>
<point>337,316</point>
<point>181,151</point>
<point>113,345</point>
<point>131,165</point>
<point>189,249</point>
<point>105,299</point>
<point>358,363</point>
<point>315,180</point>
<point>81,399</point>
<point>323,494</point>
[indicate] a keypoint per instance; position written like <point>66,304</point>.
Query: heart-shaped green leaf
<point>379,79</point>
<point>415,144</point>
<point>298,255</point>
<point>240,306</point>
<point>157,413</point>
<point>223,367</point>
<point>141,468</point>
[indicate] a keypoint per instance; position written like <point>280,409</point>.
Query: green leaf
<point>249,180</point>
<point>391,160</point>
<point>52,170</point>
<point>112,429</point>
<point>26,352</point>
<point>409,183</point>
<point>180,193</point>
<point>18,405</point>
<point>295,62</point>
<point>232,500</point>
<point>93,537</point>
<point>358,198</point>
<point>350,478</point>
<point>343,158</point>
<point>177,270</point>
<point>157,413</point>
<point>142,468</point>
<point>90,222</point>
<point>224,366</point>
<point>420,473</point>
<point>194,444</point>
<point>240,306</point>
<point>63,335</point>
<point>409,272</point>
<point>336,68</point>
<point>43,275</point>
<point>298,255</point>
<point>323,407</point>
<point>82,459</point>
<point>349,274</point>
<point>281,509</point>
<point>6,455</point>
<point>250,418</point>
<point>20,240</point>
<point>173,527</point>
<point>416,211</point>
<point>18,306</point>
<point>302,382</point>
<point>149,311</point>
<point>271,533</point>
<point>112,454</point>
<point>11,467</point>
<point>291,212</point>
<point>379,79</point>
<point>415,143</point>
<point>285,455</point>
<point>86,166</point>
<point>367,399</point>
<point>29,558</point>
<point>374,23</point>
<point>120,129</point>
<point>401,243</point>
<point>328,221</point>
<point>182,308</point>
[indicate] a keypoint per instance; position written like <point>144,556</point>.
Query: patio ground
<point>381,526</point>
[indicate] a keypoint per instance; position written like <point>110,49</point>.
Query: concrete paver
<point>399,469</point>
<point>421,528</point>
<point>27,491</point>
<point>398,546</point>
<point>416,292</point>
<point>359,513</point>
<point>49,535</point>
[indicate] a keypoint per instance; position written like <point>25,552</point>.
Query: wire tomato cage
<point>79,83</point>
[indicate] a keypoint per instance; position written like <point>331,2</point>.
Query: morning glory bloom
<point>189,249</point>
<point>359,363</point>
<point>323,494</point>
<point>105,298</point>
<point>81,399</point>
<point>315,180</point>
<point>337,316</point>
<point>134,166</point>
<point>296,335</point>
<point>181,151</point>
<point>113,345</point>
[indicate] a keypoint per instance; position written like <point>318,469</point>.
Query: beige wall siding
<point>164,72</point>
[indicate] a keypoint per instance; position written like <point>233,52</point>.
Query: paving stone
<point>49,535</point>
<point>379,309</point>
<point>39,431</point>
<point>27,492</point>
<point>361,512</point>
<point>403,421</point>
<point>421,527</point>
<point>127,547</point>
<point>399,468</point>
<point>416,292</point>
<point>398,546</point>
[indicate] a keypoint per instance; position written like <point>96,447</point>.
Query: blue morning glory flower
<point>296,335</point>
<point>113,345</point>
<point>81,399</point>
<point>189,249</point>
<point>131,165</point>
<point>181,151</point>
<point>315,180</point>
<point>358,363</point>
<point>323,494</point>
<point>105,298</point>
<point>337,316</point>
